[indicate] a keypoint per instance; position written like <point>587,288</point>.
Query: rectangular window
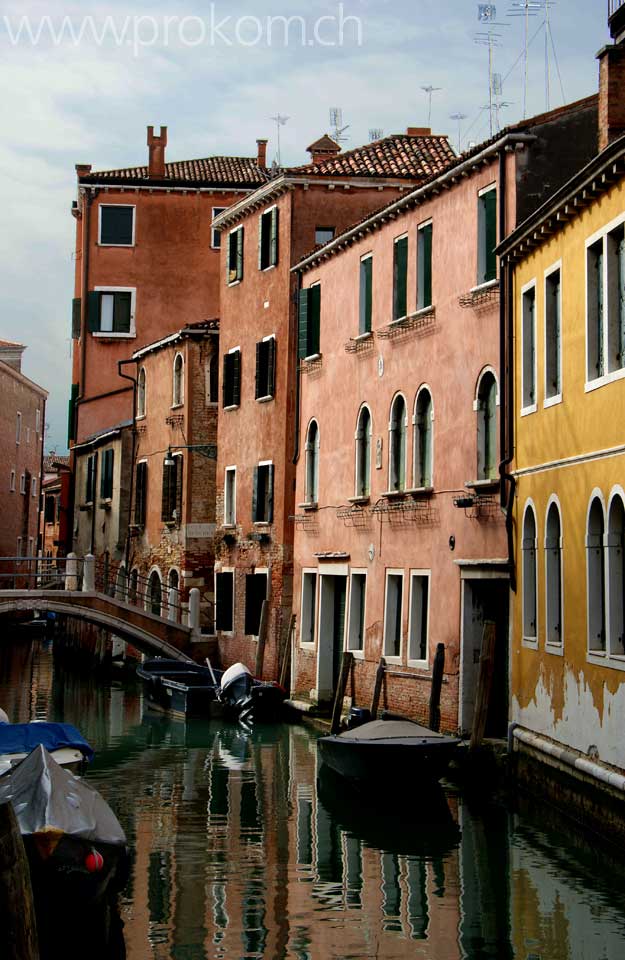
<point>366,291</point>
<point>106,475</point>
<point>424,266</point>
<point>324,235</point>
<point>268,239</point>
<point>18,428</point>
<point>231,381</point>
<point>141,492</point>
<point>33,486</point>
<point>50,510</point>
<point>216,234</point>
<point>309,322</point>
<point>37,420</point>
<point>262,495</point>
<point>230,499</point>
<point>400,278</point>
<point>23,483</point>
<point>393,613</point>
<point>19,547</point>
<point>309,607</point>
<point>419,617</point>
<point>117,226</point>
<point>171,507</point>
<point>90,479</point>
<point>235,255</point>
<point>255,593</point>
<point>616,299</point>
<point>12,482</point>
<point>595,307</point>
<point>265,368</point>
<point>357,594</point>
<point>553,335</point>
<point>111,312</point>
<point>487,235</point>
<point>529,348</point>
<point>224,601</point>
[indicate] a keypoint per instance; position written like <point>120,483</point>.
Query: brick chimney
<point>262,153</point>
<point>419,132</point>
<point>156,145</point>
<point>323,148</point>
<point>11,354</point>
<point>83,170</point>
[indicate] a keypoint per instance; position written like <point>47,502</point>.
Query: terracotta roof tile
<point>400,155</point>
<point>235,171</point>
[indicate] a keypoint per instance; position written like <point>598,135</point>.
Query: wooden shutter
<point>275,222</point>
<point>261,243</point>
<point>302,344</point>
<point>271,367</point>
<point>165,500</point>
<point>270,470</point>
<point>231,259</point>
<point>140,493</point>
<point>93,311</point>
<point>255,496</point>
<point>365,295</point>
<point>400,278</point>
<point>260,379</point>
<point>314,320</point>
<point>71,414</point>
<point>76,305</point>
<point>121,312</point>
<point>424,290</point>
<point>236,378</point>
<point>177,504</point>
<point>490,234</point>
<point>106,476</point>
<point>225,384</point>
<point>239,264</point>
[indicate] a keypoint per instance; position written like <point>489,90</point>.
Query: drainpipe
<point>506,376</point>
<point>89,197</point>
<point>93,506</point>
<point>133,380</point>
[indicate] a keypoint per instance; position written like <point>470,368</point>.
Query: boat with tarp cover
<point>62,741</point>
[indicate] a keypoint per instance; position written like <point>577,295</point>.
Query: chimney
<point>323,148</point>
<point>156,162</point>
<point>611,99</point>
<point>419,132</point>
<point>11,354</point>
<point>83,170</point>
<point>262,153</point>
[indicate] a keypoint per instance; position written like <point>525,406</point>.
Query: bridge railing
<point>35,573</point>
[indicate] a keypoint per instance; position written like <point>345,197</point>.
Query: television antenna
<point>525,9</point>
<point>429,90</point>
<point>336,122</point>
<point>487,14</point>
<point>459,117</point>
<point>376,133</point>
<point>279,121</point>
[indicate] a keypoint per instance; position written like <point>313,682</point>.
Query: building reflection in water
<point>245,848</point>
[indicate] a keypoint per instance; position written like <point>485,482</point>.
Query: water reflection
<point>244,848</point>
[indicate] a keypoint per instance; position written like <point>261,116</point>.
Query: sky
<point>82,80</point>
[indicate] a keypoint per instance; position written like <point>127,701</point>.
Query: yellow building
<point>566,272</point>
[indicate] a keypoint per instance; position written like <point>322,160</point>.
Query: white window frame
<point>309,499</point>
<point>262,572</point>
<point>420,228</point>
<point>233,406</point>
<point>427,575</point>
<point>180,402</point>
<point>528,408</point>
<point>216,211</point>
<point>357,442</point>
<point>526,639</point>
<point>404,236</point>
<point>142,410</point>
<point>37,420</point>
<point>230,504</point>
<point>551,646</point>
<point>390,487</point>
<point>269,396</point>
<point>18,428</point>
<point>551,401</point>
<point>476,408</point>
<point>33,486</point>
<point>23,484</point>
<point>305,619</point>
<point>232,570</point>
<point>481,241</point>
<point>264,523</point>
<point>125,246</point>
<point>416,439</point>
<point>358,653</point>
<point>272,266</point>
<point>390,657</point>
<point>233,283</point>
<point>147,600</point>
<point>12,482</point>
<point>613,605</point>
<point>594,383</point>
<point>594,655</point>
<point>111,334</point>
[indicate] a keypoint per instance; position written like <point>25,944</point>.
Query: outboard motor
<point>236,691</point>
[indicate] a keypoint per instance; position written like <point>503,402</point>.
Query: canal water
<point>244,849</point>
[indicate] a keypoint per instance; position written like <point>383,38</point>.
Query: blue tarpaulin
<point>24,737</point>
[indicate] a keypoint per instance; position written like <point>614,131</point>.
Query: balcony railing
<point>613,6</point>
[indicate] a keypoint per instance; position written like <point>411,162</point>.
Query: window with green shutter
<point>400,278</point>
<point>235,255</point>
<point>117,225</point>
<point>262,493</point>
<point>141,489</point>
<point>231,381</point>
<point>424,266</point>
<point>487,236</point>
<point>309,321</point>
<point>366,289</point>
<point>90,478</point>
<point>268,239</point>
<point>171,507</point>
<point>76,308</point>
<point>265,368</point>
<point>110,311</point>
<point>71,414</point>
<point>106,475</point>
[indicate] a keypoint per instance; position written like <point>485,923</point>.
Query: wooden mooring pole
<point>484,683</point>
<point>377,689</point>
<point>17,912</point>
<point>337,709</point>
<point>286,656</point>
<point>262,639</point>
<point>437,683</point>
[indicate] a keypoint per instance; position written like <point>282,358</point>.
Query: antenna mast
<point>336,122</point>
<point>279,121</point>
<point>459,117</point>
<point>429,90</point>
<point>525,9</point>
<point>487,13</point>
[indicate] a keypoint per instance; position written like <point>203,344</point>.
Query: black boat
<point>389,752</point>
<point>188,689</point>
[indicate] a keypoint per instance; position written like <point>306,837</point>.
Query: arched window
<point>397,444</point>
<point>133,586</point>
<point>553,576</point>
<point>596,577</point>
<point>363,453</point>
<point>423,439</point>
<point>141,393</point>
<point>530,631</point>
<point>173,598</point>
<point>615,574</point>
<point>312,463</point>
<point>487,427</point>
<point>155,593</point>
<point>120,584</point>
<point>178,380</point>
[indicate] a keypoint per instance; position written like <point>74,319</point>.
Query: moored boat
<point>63,741</point>
<point>390,752</point>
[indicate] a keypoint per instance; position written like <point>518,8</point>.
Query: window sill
<point>311,358</point>
<point>106,503</point>
<point>262,523</point>
<point>86,506</point>
<point>357,654</point>
<point>229,526</point>
<point>602,381</point>
<point>176,406</point>
<point>116,246</point>
<point>526,411</point>
<point>489,484</point>
<point>555,649</point>
<point>530,643</point>
<point>419,664</point>
<point>394,494</point>
<point>485,285</point>
<point>310,506</point>
<point>307,646</point>
<point>359,501</point>
<point>420,492</point>
<point>232,406</point>
<point>140,416</point>
<point>111,335</point>
<point>396,661</point>
<point>265,399</point>
<point>552,401</point>
<point>272,266</point>
<point>233,283</point>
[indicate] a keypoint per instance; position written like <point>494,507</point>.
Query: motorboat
<point>389,752</point>
<point>63,741</point>
<point>192,690</point>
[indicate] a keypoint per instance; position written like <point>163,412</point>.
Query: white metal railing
<point>613,6</point>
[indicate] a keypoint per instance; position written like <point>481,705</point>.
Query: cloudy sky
<point>81,81</point>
